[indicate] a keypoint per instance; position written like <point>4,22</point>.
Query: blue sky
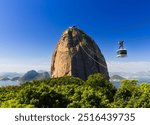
<point>30,30</point>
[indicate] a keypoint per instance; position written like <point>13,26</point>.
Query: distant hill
<point>4,79</point>
<point>116,78</point>
<point>15,78</point>
<point>10,75</point>
<point>33,75</point>
<point>44,75</point>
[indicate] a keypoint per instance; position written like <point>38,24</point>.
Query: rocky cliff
<point>76,54</point>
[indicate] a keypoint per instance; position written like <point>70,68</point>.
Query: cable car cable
<point>93,52</point>
<point>91,56</point>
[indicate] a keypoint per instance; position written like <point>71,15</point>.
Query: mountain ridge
<point>116,78</point>
<point>33,75</point>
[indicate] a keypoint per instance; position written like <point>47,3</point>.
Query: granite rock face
<point>76,54</point>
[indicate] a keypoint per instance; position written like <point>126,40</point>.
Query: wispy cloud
<point>113,66</point>
<point>23,68</point>
<point>137,66</point>
<point>24,65</point>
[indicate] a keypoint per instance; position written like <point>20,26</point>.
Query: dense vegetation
<point>74,93</point>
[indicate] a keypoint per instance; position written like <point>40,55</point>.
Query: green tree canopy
<point>71,92</point>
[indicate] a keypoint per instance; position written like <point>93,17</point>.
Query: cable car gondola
<point>121,52</point>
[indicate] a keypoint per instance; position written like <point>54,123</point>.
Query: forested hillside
<point>70,92</point>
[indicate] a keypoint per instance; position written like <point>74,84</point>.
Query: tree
<point>42,96</point>
<point>124,93</point>
<point>140,97</point>
<point>96,92</point>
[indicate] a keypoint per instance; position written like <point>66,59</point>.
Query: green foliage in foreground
<point>70,92</point>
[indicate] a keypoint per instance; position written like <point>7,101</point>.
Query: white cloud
<point>137,66</point>
<point>113,66</point>
<point>23,68</point>
<point>24,65</point>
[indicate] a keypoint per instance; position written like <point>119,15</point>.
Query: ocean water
<point>9,83</point>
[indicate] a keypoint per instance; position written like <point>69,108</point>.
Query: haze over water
<point>8,83</point>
